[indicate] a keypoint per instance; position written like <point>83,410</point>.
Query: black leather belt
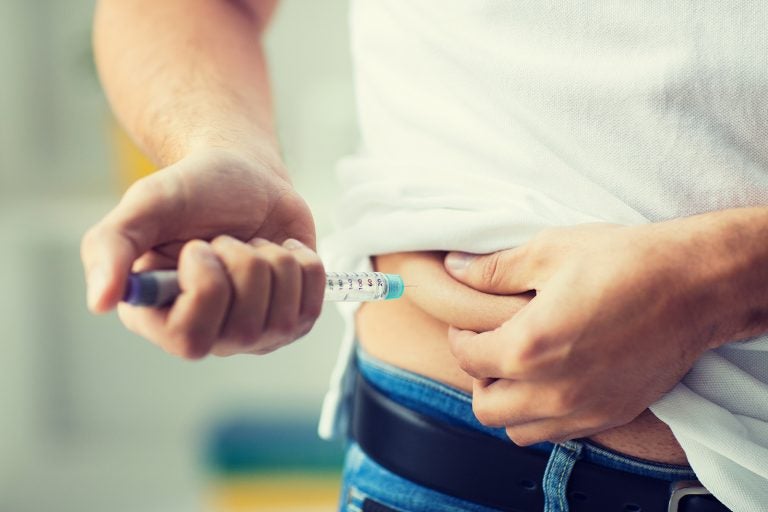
<point>486,470</point>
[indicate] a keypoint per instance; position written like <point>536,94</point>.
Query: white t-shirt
<point>484,121</point>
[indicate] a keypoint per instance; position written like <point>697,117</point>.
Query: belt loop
<point>556,475</point>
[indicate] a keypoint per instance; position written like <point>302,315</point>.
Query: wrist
<point>722,268</point>
<point>252,158</point>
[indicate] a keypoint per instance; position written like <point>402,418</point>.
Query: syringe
<point>158,288</point>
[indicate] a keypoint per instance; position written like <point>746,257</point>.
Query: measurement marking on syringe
<point>160,287</point>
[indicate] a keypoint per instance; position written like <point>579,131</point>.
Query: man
<point>484,125</point>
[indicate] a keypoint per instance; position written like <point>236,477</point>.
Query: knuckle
<point>224,351</point>
<point>537,247</point>
<point>252,268</point>
<point>525,356</point>
<point>558,437</point>
<point>564,401</point>
<point>509,365</point>
<point>262,351</point>
<point>149,190</point>
<point>463,359</point>
<point>484,414</point>
<point>523,437</point>
<point>283,327</point>
<point>251,333</point>
<point>305,326</point>
<point>577,398</point>
<point>312,311</point>
<point>283,260</point>
<point>219,240</point>
<point>245,336</point>
<point>492,270</point>
<point>269,344</point>
<point>206,286</point>
<point>187,344</point>
<point>190,351</point>
<point>89,239</point>
<point>138,188</point>
<point>228,247</point>
<point>601,418</point>
<point>314,270</point>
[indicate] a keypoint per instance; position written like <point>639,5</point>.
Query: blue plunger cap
<point>140,290</point>
<point>395,286</point>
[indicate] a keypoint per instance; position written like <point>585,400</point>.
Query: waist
<point>411,334</point>
<point>425,432</point>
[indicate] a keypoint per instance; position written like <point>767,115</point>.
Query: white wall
<point>91,417</point>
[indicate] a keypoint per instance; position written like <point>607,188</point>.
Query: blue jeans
<point>363,479</point>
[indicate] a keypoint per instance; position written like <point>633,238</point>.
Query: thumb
<point>109,248</point>
<point>107,255</point>
<point>499,272</point>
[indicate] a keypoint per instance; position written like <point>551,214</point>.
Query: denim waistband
<point>454,406</point>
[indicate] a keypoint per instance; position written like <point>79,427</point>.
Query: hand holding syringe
<point>159,288</point>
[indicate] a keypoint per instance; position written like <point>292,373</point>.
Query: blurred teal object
<point>248,444</point>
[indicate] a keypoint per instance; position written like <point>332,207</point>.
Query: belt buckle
<point>682,489</point>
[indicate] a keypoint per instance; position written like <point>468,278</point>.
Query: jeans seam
<point>570,458</point>
<point>637,464</point>
<point>562,502</point>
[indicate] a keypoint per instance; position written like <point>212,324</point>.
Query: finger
<point>524,347</point>
<point>504,402</point>
<point>496,354</point>
<point>446,299</point>
<point>476,354</point>
<point>251,279</point>
<point>107,252</point>
<point>283,314</point>
<point>312,282</point>
<point>110,247</point>
<point>197,317</point>
<point>153,260</point>
<point>503,272</point>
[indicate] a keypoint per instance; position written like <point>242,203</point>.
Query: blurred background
<point>93,418</point>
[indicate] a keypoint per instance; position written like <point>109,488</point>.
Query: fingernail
<point>97,282</point>
<point>458,260</point>
<point>293,244</point>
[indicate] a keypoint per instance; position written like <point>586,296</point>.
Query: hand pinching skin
<point>609,330</point>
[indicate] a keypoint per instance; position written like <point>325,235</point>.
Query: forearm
<point>726,262</point>
<point>188,74</point>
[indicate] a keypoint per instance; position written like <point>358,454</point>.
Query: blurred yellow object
<point>276,493</point>
<point>131,162</point>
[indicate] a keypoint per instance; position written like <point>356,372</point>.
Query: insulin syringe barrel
<point>362,286</point>
<point>159,288</point>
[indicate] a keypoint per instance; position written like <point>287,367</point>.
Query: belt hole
<point>528,485</point>
<point>632,507</point>
<point>578,496</point>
